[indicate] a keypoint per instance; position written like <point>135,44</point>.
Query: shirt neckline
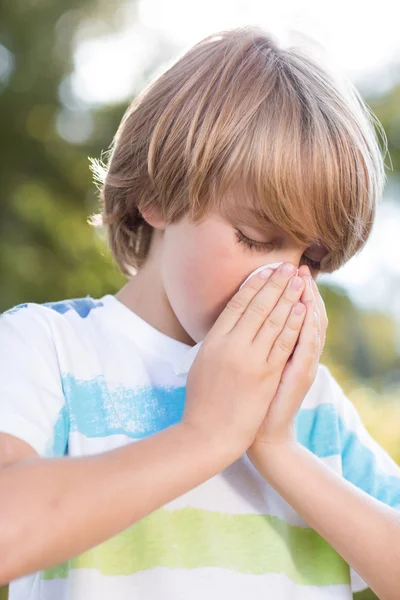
<point>141,332</point>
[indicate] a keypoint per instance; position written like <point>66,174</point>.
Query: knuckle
<point>236,305</point>
<point>271,323</point>
<point>276,285</point>
<point>288,299</point>
<point>293,325</point>
<point>257,308</point>
<point>240,301</point>
<point>284,345</point>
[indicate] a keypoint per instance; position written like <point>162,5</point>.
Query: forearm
<point>364,531</point>
<point>53,509</point>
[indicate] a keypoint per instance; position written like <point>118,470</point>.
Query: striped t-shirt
<point>83,376</point>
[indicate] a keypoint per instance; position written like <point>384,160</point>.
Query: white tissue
<point>182,366</point>
<point>272,266</point>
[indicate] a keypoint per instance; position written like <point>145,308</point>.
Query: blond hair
<point>238,117</point>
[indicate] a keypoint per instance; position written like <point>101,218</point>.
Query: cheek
<point>204,270</point>
<point>200,280</point>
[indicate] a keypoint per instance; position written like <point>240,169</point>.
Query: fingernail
<point>287,268</point>
<point>265,273</point>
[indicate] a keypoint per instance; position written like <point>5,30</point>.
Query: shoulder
<point>80,308</point>
<point>47,332</point>
<point>24,323</point>
<point>32,316</point>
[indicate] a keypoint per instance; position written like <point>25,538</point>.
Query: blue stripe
<point>58,446</point>
<point>14,309</point>
<point>318,430</point>
<point>360,468</point>
<point>97,411</point>
<point>82,306</point>
<point>138,412</point>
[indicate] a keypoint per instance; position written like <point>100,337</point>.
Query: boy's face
<point>202,266</point>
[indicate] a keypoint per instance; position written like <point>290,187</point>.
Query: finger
<point>312,293</point>
<point>308,295</point>
<point>262,304</point>
<point>306,354</point>
<point>320,303</point>
<point>286,341</point>
<point>276,320</point>
<point>236,306</point>
<point>304,270</point>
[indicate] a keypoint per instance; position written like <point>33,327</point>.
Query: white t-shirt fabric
<point>83,376</point>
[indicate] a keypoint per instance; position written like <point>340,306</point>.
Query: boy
<point>251,476</point>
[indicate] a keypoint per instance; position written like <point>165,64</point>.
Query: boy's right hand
<point>238,368</point>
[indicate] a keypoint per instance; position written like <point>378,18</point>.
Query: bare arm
<point>362,529</point>
<point>56,508</point>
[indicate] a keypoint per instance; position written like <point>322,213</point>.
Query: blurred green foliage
<point>48,251</point>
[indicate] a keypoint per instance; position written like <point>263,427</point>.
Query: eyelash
<point>259,246</point>
<point>264,246</point>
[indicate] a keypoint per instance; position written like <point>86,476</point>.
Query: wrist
<point>214,447</point>
<point>265,455</point>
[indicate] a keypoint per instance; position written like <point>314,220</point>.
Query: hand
<point>236,373</point>
<point>299,372</point>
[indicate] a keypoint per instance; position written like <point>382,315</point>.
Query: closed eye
<point>253,244</point>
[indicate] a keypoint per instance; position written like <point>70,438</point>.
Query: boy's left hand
<point>299,373</point>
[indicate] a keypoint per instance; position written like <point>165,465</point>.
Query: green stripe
<point>191,538</point>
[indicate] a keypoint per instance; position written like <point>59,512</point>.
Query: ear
<point>153,217</point>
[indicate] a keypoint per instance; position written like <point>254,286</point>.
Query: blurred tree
<point>364,343</point>
<point>46,247</point>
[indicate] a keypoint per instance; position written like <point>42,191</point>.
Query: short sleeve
<point>364,462</point>
<point>32,403</point>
